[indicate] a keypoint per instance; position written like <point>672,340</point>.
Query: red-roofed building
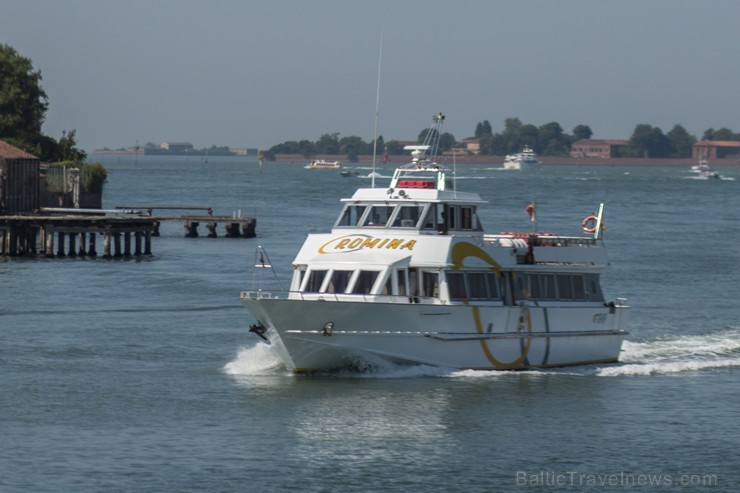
<point>716,149</point>
<point>597,148</point>
<point>19,180</point>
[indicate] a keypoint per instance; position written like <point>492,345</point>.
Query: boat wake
<point>680,354</point>
<point>660,356</point>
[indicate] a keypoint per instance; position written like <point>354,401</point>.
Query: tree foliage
<point>23,105</point>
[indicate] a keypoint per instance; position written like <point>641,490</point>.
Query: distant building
<point>597,148</point>
<point>472,144</point>
<point>716,149</point>
<point>177,147</point>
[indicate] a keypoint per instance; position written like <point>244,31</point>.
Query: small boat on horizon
<point>321,164</point>
<point>407,275</point>
<point>705,170</point>
<point>525,159</point>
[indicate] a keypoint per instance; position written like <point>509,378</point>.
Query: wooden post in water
<point>211,225</point>
<point>106,245</point>
<point>91,249</point>
<point>117,244</point>
<point>137,245</point>
<point>148,243</point>
<point>127,243</point>
<point>72,245</point>
<point>82,252</point>
<point>49,233</point>
<point>60,244</point>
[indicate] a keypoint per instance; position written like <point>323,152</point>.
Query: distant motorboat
<point>349,172</point>
<point>525,159</point>
<point>321,164</point>
<point>705,170</point>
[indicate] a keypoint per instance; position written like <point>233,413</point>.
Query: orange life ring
<point>591,229</point>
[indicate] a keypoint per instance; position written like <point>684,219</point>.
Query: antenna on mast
<point>377,106</point>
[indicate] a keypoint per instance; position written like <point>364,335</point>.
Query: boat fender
<point>328,328</point>
<point>589,224</point>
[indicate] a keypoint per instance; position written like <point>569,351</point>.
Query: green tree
<point>483,129</point>
<point>681,142</point>
<point>648,141</point>
<point>23,102</point>
<point>352,146</point>
<point>328,144</point>
<point>582,132</point>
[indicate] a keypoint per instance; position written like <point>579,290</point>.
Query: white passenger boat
<point>321,164</point>
<point>408,275</point>
<point>525,159</point>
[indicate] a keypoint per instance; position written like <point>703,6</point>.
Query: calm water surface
<point>140,375</point>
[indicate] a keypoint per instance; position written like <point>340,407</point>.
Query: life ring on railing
<point>591,228</point>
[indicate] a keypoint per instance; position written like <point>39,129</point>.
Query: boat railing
<point>337,297</point>
<point>521,239</point>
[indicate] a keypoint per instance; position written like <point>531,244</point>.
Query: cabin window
<point>579,289</point>
<point>407,216</point>
<point>430,284</point>
<point>493,285</point>
<point>378,215</point>
<point>456,285</point>
<point>314,281</point>
<point>594,289</point>
<point>413,282</point>
<point>534,290</point>
<point>565,290</point>
<point>401,274</point>
<point>451,217</point>
<point>365,281</point>
<point>477,286</point>
<point>466,218</point>
<point>548,287</point>
<point>351,215</point>
<point>339,281</point>
<point>430,218</point>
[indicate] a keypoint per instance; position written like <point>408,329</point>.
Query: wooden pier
<point>75,235</point>
<point>236,226</point>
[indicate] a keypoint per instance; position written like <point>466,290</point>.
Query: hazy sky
<point>256,73</point>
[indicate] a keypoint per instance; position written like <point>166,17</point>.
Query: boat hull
<point>452,336</point>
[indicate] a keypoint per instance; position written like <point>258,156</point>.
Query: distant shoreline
<point>493,160</point>
<point>498,160</point>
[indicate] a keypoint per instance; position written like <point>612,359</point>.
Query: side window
<point>413,282</point>
<point>466,219</point>
<point>594,289</point>
<point>429,219</point>
<point>451,217</point>
<point>456,285</point>
<point>338,282</point>
<point>478,286</point>
<point>365,281</point>
<point>548,287</point>
<point>493,285</point>
<point>579,289</point>
<point>315,279</point>
<point>401,273</point>
<point>430,284</point>
<point>564,287</point>
<point>535,293</point>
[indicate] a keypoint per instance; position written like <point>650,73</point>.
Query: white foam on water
<point>678,354</point>
<point>259,359</point>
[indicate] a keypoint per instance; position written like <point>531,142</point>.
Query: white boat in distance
<point>525,159</point>
<point>321,164</point>
<point>407,275</point>
<point>705,170</point>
